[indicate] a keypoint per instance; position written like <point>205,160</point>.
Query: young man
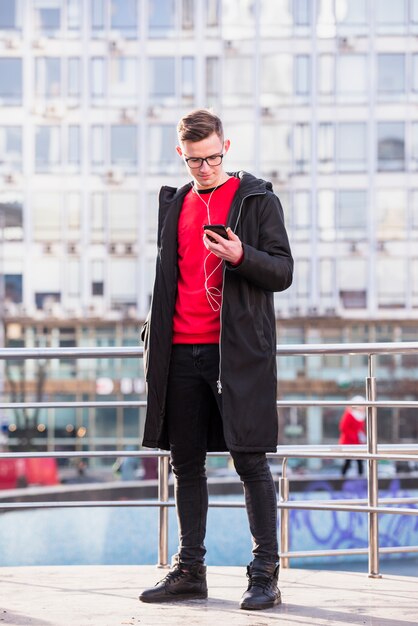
<point>210,351</point>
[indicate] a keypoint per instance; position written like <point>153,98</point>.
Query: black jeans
<point>192,403</point>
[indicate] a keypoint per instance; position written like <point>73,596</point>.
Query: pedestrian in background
<point>353,430</point>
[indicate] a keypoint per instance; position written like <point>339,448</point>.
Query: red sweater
<point>195,321</point>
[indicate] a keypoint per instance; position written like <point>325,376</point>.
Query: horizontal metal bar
<point>73,405</point>
<point>327,452</point>
<point>337,452</point>
<point>67,454</point>
<point>299,505</point>
<point>396,347</point>
<point>71,353</point>
<point>142,403</point>
<point>347,552</point>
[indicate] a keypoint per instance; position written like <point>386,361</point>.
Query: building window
<point>353,89</point>
<point>391,74</point>
<point>390,16</point>
<point>74,15</point>
<point>48,77</point>
<point>414,212</point>
<point>238,81</point>
<point>47,147</point>
<point>162,157</point>
<point>276,79</point>
<point>171,80</point>
<point>122,79</point>
<point>327,281</point>
<point>391,282</point>
<point>11,148</point>
<point>123,217</point>
<point>123,16</point>
<point>414,286</point>
<point>326,147</point>
<point>11,216</point>
<point>47,16</point>
<point>276,155</point>
<point>213,80</point>
<point>351,16</point>
<point>73,77</point>
<point>74,147</point>
<point>13,287</point>
<point>123,287</point>
<point>162,80</point>
<point>238,20</point>
<point>326,77</point>
<point>300,218</point>
<point>97,218</point>
<point>352,282</point>
<point>352,147</point>
<point>351,214</point>
<point>72,217</point>
<point>115,15</point>
<point>390,214</point>
<point>98,157</point>
<point>302,76</point>
<point>276,19</point>
<point>301,148</point>
<point>414,78</point>
<point>342,214</point>
<point>414,146</point>
<point>10,15</point>
<point>47,216</point>
<point>213,13</point>
<point>10,81</point>
<point>123,146</point>
<point>391,146</point>
<point>97,277</point>
<point>162,18</point>
<point>241,153</point>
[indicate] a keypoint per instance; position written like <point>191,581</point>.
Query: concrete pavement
<point>108,596</point>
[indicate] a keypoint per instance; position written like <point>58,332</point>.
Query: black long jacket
<point>248,327</point>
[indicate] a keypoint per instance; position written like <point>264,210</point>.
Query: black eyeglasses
<point>196,162</point>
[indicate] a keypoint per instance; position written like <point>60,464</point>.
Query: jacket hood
<point>250,183</point>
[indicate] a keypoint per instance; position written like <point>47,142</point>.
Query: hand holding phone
<point>219,229</point>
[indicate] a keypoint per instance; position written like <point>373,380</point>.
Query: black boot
<point>183,582</point>
<point>262,592</point>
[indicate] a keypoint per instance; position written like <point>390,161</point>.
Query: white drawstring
<point>213,294</point>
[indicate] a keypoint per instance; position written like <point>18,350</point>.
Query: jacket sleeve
<point>270,265</point>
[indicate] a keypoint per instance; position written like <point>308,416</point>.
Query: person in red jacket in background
<point>353,430</point>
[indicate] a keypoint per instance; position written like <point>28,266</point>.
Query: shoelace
<point>257,579</point>
<point>173,575</point>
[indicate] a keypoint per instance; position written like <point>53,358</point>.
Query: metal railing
<point>370,452</point>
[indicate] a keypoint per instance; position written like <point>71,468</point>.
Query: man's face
<point>205,174</point>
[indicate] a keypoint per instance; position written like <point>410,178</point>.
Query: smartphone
<point>219,229</point>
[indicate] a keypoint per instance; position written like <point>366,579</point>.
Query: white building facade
<point>318,96</point>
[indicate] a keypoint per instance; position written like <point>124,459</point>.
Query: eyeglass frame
<point>201,159</point>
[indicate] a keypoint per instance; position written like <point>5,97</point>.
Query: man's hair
<point>199,124</point>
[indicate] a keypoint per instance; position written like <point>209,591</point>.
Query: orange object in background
<point>21,472</point>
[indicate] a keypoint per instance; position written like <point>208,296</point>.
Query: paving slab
<point>108,596</point>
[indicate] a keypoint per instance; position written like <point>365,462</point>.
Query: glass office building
<point>318,96</point>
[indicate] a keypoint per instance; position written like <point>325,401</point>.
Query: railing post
<point>372,472</point>
<point>163,512</point>
<point>284,516</point>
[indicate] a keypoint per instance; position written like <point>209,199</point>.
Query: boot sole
<point>175,598</point>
